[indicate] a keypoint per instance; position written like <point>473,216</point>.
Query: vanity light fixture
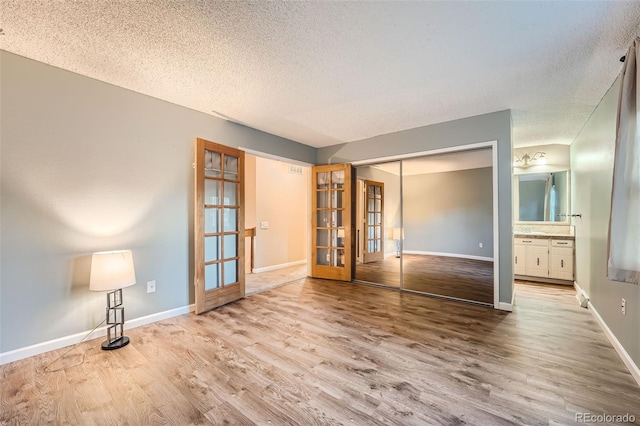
<point>526,159</point>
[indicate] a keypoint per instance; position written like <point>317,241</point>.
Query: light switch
<point>264,225</point>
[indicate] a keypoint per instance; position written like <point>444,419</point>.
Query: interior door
<point>332,235</point>
<point>374,221</point>
<point>218,225</point>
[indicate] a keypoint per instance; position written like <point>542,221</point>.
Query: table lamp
<point>112,271</point>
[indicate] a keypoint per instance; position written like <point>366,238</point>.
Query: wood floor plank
<point>319,352</point>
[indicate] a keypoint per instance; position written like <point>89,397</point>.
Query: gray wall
<point>591,178</point>
<point>87,166</point>
<point>482,128</point>
<point>449,212</point>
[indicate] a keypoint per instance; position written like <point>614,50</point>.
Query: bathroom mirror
<point>542,197</point>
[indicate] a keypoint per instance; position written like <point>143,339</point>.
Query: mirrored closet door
<point>448,225</point>
<point>426,225</point>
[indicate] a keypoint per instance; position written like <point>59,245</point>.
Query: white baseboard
<point>61,342</point>
<point>280,266</point>
<point>622,353</point>
<point>508,306</point>
<point>505,306</point>
<point>461,256</point>
<point>581,295</point>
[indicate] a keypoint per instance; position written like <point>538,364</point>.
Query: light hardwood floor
<point>322,352</point>
<point>466,279</point>
<point>261,281</point>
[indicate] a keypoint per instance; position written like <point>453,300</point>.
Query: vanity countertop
<point>546,236</point>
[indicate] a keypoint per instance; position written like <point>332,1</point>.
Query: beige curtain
<point>624,222</point>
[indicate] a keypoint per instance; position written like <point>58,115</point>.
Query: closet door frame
<point>496,241</point>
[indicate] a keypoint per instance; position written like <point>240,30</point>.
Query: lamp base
<point>115,344</point>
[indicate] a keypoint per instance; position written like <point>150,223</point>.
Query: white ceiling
<point>323,73</point>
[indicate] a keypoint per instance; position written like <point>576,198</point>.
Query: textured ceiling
<point>323,73</point>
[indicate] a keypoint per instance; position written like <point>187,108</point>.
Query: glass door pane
<point>331,235</point>
<point>374,221</point>
<point>218,225</point>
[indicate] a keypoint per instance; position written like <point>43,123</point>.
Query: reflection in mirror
<point>448,225</point>
<point>378,213</point>
<point>442,242</point>
<point>543,197</point>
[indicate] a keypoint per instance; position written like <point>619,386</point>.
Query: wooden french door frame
<point>373,209</point>
<point>218,230</point>
<point>333,222</point>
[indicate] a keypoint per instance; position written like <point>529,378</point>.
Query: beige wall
<point>282,201</point>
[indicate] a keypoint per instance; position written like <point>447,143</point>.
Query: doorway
<point>276,218</point>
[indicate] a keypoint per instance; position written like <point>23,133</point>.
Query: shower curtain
<point>548,200</point>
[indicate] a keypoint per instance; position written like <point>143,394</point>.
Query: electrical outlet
<point>480,245</point>
<point>623,307</point>
<point>151,286</point>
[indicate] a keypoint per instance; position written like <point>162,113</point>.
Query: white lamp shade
<point>111,270</point>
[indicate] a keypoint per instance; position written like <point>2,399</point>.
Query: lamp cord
<point>46,367</point>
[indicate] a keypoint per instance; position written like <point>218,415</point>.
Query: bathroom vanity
<point>544,257</point>
<point>543,239</point>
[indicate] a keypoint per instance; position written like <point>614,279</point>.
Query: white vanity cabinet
<point>561,259</point>
<point>543,257</point>
<point>536,256</point>
<point>519,259</point>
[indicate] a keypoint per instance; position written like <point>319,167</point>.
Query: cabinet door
<point>537,261</point>
<point>561,263</point>
<point>519,260</point>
